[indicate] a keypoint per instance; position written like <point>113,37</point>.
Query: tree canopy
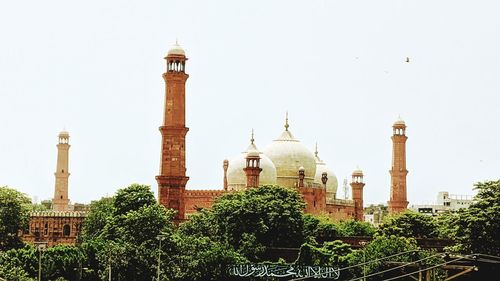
<point>100,212</point>
<point>253,220</point>
<point>14,216</point>
<point>409,224</point>
<point>122,233</point>
<point>477,228</point>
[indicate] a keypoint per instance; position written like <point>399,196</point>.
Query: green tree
<point>202,259</point>
<point>253,220</point>
<point>331,253</point>
<point>319,228</point>
<point>355,228</point>
<point>101,211</point>
<point>132,198</point>
<point>63,262</point>
<point>57,262</point>
<point>128,241</point>
<point>476,229</point>
<point>15,273</point>
<point>409,224</point>
<point>381,247</point>
<point>14,216</point>
<point>18,263</point>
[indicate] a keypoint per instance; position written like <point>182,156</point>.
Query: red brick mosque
<point>285,162</point>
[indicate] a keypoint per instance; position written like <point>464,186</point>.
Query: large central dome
<point>288,155</point>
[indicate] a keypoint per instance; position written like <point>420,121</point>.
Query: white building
<point>445,202</point>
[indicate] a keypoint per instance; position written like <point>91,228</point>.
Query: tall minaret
<point>398,201</point>
<point>61,201</point>
<point>252,168</point>
<point>225,166</point>
<point>172,179</point>
<point>357,185</point>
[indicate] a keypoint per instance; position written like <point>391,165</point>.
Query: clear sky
<point>338,67</point>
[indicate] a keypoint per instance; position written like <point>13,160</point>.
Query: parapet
<point>70,214</point>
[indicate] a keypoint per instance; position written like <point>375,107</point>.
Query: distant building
<point>54,227</point>
<point>62,224</point>
<point>375,214</point>
<point>445,202</point>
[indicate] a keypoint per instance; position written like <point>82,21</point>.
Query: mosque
<point>285,162</point>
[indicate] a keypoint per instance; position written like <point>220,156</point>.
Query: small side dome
<point>236,177</point>
<point>400,122</point>
<point>253,154</point>
<point>357,172</point>
<point>64,133</point>
<point>176,50</point>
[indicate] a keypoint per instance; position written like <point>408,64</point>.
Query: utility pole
<point>159,237</point>
<point>363,244</point>
<point>39,265</point>
<point>109,270</point>
<point>346,190</point>
<point>40,246</point>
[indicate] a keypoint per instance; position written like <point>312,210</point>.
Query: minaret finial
<point>177,41</point>
<point>252,139</point>
<point>286,121</point>
<point>316,150</point>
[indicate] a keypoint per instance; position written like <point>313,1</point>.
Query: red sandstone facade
<point>357,185</point>
<point>172,180</point>
<point>54,227</point>
<point>398,201</point>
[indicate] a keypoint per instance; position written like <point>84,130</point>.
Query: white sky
<point>94,67</point>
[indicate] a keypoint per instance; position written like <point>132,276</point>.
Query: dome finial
<point>400,121</point>
<point>316,150</point>
<point>286,121</point>
<point>176,49</point>
<point>252,139</point>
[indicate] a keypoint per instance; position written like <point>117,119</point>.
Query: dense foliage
<point>409,224</point>
<point>477,228</point>
<point>333,253</point>
<point>130,233</point>
<point>121,234</point>
<point>355,228</point>
<point>322,228</point>
<point>14,216</point>
<point>100,212</point>
<point>252,221</point>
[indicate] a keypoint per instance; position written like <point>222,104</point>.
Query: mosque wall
<point>339,210</point>
<point>315,199</point>
<point>54,227</point>
<point>196,199</point>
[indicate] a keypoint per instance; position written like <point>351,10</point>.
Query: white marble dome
<point>176,50</point>
<point>332,183</point>
<point>288,155</point>
<point>236,177</point>
<point>399,122</point>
